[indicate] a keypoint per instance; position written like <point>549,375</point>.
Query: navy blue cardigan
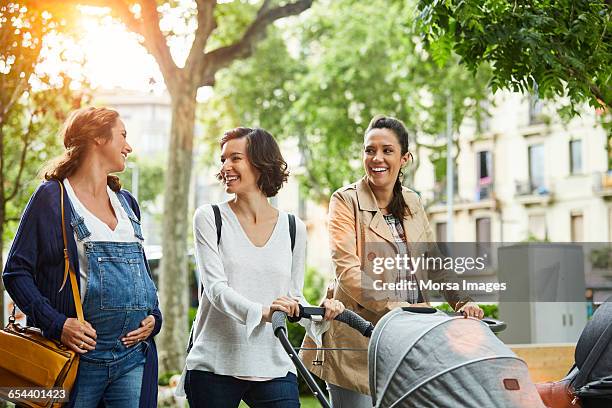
<point>34,272</point>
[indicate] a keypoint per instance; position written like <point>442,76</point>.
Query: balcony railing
<point>530,193</point>
<point>524,188</point>
<point>602,183</point>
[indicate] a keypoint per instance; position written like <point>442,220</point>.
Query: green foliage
<point>349,60</point>
<point>565,47</point>
<point>251,92</point>
<point>151,173</point>
<point>601,258</point>
<point>233,18</point>
<point>164,378</point>
<point>31,116</point>
<point>533,238</point>
<point>29,140</point>
<point>491,311</point>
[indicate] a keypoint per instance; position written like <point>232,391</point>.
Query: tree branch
<point>222,57</point>
<point>156,43</point>
<point>121,10</point>
<point>26,144</point>
<point>206,25</point>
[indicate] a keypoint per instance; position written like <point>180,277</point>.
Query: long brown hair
<point>82,127</point>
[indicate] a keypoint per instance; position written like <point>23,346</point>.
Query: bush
<point>164,378</point>
<point>491,311</point>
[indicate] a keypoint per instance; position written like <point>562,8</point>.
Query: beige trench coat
<point>358,234</point>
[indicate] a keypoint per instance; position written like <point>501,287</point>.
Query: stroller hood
<point>433,360</point>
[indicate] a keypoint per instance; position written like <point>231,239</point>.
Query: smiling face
<point>116,149</point>
<point>382,157</point>
<point>237,173</point>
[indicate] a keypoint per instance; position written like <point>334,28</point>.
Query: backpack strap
<point>292,230</point>
<point>218,221</point>
<point>218,224</point>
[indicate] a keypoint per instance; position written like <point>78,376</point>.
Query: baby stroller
<point>422,357</point>
<point>590,379</point>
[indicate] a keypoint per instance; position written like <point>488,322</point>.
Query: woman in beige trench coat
<point>372,219</point>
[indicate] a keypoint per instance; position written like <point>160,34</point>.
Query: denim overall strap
<point>133,219</point>
<point>78,224</point>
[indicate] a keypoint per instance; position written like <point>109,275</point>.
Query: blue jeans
<point>116,383</point>
<point>208,390</point>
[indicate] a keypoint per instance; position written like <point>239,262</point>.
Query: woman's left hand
<point>140,334</point>
<point>333,308</point>
<point>471,309</point>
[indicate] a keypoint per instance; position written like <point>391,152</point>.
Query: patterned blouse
<point>411,294</point>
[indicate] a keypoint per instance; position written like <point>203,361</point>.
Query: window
<point>577,229</point>
<point>485,175</point>
<point>536,167</point>
<point>537,226</point>
<point>483,229</point>
<point>441,232</point>
<point>535,110</point>
<point>575,147</point>
<point>483,238</point>
<point>440,180</point>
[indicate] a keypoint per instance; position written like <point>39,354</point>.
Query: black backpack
<point>219,224</point>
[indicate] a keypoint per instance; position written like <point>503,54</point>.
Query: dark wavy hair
<point>264,154</point>
<point>81,129</point>
<point>397,206</point>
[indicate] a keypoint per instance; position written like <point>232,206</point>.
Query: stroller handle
<point>496,326</point>
<point>348,317</point>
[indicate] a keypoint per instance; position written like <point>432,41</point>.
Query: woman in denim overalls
<point>118,363</point>
<point>120,295</point>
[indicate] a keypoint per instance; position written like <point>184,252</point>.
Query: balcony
<point>484,198</point>
<point>529,194</point>
<point>602,184</point>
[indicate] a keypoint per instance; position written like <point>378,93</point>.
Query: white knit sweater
<point>239,279</point>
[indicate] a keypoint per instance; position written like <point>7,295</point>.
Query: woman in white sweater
<point>248,271</point>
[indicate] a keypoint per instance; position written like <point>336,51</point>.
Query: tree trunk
<point>173,282</point>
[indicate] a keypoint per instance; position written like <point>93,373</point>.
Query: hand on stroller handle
<point>348,316</point>
<point>363,326</point>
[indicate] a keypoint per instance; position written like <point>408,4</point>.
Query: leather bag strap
<point>67,269</point>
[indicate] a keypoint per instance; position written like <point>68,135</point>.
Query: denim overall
<point>120,294</point>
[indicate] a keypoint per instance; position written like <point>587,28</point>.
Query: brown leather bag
<point>31,360</point>
<point>559,394</point>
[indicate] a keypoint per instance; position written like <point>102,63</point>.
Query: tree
<point>29,116</point>
<point>225,32</point>
<point>559,48</point>
<point>356,59</point>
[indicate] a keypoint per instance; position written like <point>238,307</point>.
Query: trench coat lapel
<point>367,202</point>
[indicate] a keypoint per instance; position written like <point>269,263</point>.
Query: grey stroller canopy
<point>434,360</point>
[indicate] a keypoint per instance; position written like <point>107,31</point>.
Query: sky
<point>113,56</point>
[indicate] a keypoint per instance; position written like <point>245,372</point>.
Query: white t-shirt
<point>99,230</point>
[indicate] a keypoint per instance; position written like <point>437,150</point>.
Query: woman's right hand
<point>284,304</point>
<point>80,337</point>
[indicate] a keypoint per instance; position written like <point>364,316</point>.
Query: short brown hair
<point>80,130</point>
<point>264,154</point>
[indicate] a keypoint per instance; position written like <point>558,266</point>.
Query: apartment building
<point>527,177</point>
